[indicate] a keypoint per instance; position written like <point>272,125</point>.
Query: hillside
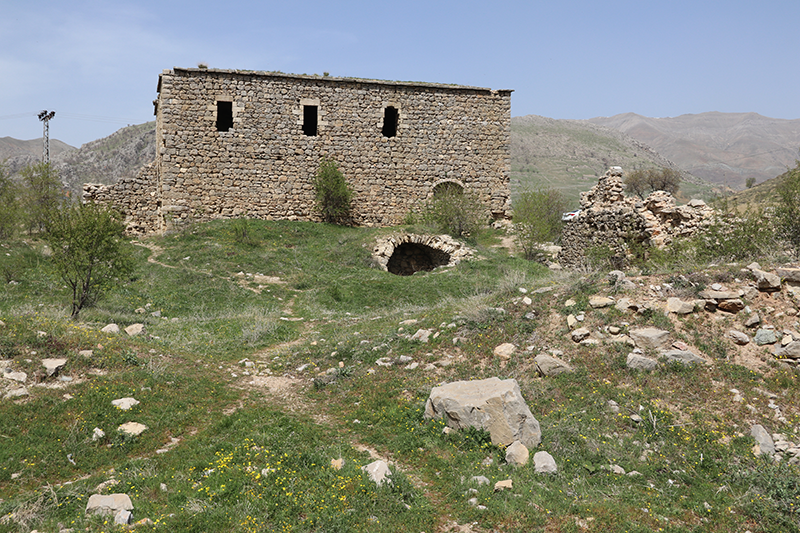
<point>571,154</point>
<point>259,373</point>
<point>10,147</point>
<point>722,148</point>
<point>105,160</point>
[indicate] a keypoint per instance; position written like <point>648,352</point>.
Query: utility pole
<point>45,117</point>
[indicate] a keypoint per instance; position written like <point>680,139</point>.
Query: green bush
<point>88,250</point>
<point>332,195</point>
<point>787,214</point>
<point>537,218</point>
<point>455,212</point>
<point>42,194</point>
<point>9,208</point>
<point>735,235</point>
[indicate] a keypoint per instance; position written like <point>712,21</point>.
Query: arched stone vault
<point>408,253</point>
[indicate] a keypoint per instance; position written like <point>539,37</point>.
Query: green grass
<point>242,458</point>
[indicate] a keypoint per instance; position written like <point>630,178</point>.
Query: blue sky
<point>96,63</point>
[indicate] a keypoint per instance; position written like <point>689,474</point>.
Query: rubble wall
<point>613,226</point>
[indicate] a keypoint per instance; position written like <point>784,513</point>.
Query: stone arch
<point>446,185</point>
<point>409,253</point>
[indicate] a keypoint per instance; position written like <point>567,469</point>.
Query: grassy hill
<point>570,155</point>
<point>263,359</point>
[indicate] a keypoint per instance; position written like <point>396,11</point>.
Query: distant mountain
<point>105,160</point>
<point>723,148</point>
<point>10,147</point>
<point>570,155</point>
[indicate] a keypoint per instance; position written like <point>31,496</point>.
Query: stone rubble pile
<point>609,219</point>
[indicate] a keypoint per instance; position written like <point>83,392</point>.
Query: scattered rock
<point>422,335</point>
<point>653,338</point>
<point>517,454</point>
<point>731,306</point>
<point>790,351</point>
<point>637,361</point>
<point>53,366</point>
<point>599,302</point>
<point>766,281</point>
<point>125,403</point>
<point>682,356</point>
<point>480,480</point>
<point>503,485</point>
<point>752,321</point>
<point>549,365</point>
<point>492,404</point>
<point>505,350</point>
<point>679,307</point>
<point>132,429</point>
<point>765,336</point>
<point>108,505</point>
<point>738,337</point>
<point>544,463</point>
<point>110,328</point>
<point>791,274</point>
<point>21,377</point>
<point>580,334</point>
<point>19,392</point>
<point>764,443</point>
<point>337,464</point>
<point>135,329</point>
<point>378,472</point>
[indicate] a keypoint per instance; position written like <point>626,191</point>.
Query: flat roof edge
<point>315,77</point>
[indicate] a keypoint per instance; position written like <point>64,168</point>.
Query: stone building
<point>240,143</point>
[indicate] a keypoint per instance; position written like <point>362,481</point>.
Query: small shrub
<point>88,250</point>
<point>537,219</point>
<point>735,235</point>
<point>9,208</point>
<point>332,195</point>
<point>455,212</point>
<point>787,214</point>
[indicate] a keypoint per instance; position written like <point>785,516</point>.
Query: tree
<point>749,182</point>
<point>787,213</point>
<point>88,250</point>
<point>644,181</point>
<point>42,194</point>
<point>537,218</point>
<point>332,195</point>
<point>9,207</point>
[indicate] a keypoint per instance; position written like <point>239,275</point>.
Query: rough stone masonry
<point>241,143</point>
<point>610,220</point>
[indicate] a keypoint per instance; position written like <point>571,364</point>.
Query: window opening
<point>224,116</point>
<point>390,115</point>
<point>310,120</point>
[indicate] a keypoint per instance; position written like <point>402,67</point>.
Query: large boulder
<point>492,404</point>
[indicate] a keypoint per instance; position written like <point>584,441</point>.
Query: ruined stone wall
<point>614,225</point>
<point>263,166</point>
<point>136,198</point>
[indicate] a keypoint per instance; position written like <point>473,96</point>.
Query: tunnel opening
<point>409,258</point>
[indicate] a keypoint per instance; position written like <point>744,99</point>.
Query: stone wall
<point>136,198</point>
<point>264,164</point>
<point>613,224</point>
